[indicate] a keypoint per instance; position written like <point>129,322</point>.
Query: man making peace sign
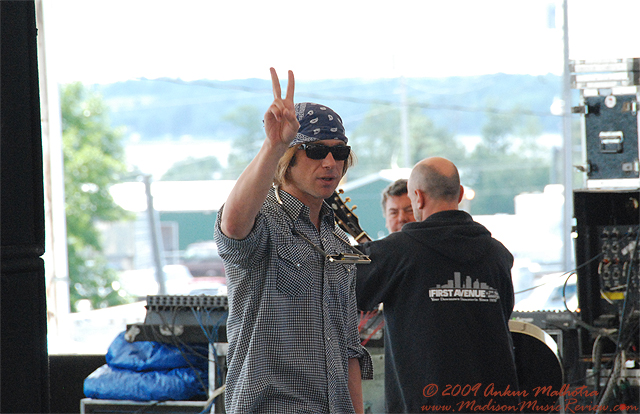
<point>294,345</point>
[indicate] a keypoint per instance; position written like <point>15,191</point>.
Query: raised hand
<point>253,185</point>
<point>280,121</point>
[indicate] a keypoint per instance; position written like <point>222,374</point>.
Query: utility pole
<point>154,235</point>
<point>56,254</point>
<point>567,146</point>
<point>404,122</point>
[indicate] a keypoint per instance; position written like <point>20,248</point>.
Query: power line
<point>365,101</point>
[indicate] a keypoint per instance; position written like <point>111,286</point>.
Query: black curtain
<point>24,369</point>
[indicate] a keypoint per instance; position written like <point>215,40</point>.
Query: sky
<point>105,41</point>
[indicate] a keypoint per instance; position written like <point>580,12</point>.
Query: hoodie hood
<point>452,233</point>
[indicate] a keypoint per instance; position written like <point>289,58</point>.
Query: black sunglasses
<point>320,152</point>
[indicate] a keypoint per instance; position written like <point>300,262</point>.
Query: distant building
<point>186,211</point>
<point>366,194</point>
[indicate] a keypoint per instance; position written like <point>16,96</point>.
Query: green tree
<point>247,140</point>
<point>194,169</point>
<point>377,142</point>
<point>506,162</point>
<point>93,157</point>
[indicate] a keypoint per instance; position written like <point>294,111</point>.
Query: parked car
<point>208,285</point>
<point>142,282</point>
<point>202,259</point>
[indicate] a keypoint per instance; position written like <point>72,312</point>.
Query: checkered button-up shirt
<point>292,324</point>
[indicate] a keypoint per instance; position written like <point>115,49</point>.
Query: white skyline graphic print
<point>469,291</point>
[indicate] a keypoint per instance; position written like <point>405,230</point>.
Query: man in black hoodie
<point>447,294</point>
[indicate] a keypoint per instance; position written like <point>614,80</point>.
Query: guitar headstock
<point>345,217</point>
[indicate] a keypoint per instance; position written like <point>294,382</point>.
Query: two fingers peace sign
<point>280,120</point>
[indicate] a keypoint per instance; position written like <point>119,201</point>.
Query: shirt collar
<point>295,207</point>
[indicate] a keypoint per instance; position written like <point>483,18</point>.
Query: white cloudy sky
<point>100,41</point>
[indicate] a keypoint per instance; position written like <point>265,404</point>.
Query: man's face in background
<point>397,212</point>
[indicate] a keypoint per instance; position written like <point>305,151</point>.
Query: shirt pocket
<point>298,267</point>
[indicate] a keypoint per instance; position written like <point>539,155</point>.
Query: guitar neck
<point>346,219</point>
<point>358,234</point>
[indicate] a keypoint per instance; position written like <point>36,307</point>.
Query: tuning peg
<point>354,207</point>
<point>347,199</point>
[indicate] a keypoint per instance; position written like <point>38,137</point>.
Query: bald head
<point>434,185</point>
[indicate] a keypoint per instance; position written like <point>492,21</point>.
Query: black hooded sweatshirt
<point>447,296</point>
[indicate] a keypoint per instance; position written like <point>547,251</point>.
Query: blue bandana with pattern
<point>317,123</point>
